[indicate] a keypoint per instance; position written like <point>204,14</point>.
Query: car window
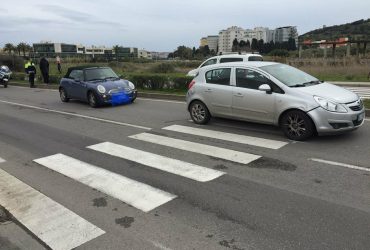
<point>219,76</point>
<point>76,75</point>
<point>231,59</point>
<point>209,62</point>
<point>99,74</point>
<point>246,78</point>
<point>255,58</point>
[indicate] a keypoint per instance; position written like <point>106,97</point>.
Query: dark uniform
<point>31,72</point>
<point>44,68</point>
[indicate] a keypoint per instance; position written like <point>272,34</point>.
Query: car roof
<point>235,55</point>
<point>83,67</point>
<point>256,64</point>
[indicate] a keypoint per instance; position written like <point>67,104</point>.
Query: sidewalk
<point>352,84</point>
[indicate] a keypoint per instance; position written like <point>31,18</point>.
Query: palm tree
<point>9,47</point>
<point>22,47</point>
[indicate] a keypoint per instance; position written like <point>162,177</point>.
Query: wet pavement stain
<point>270,163</point>
<point>209,235</point>
<point>125,221</point>
<point>318,181</point>
<point>229,244</point>
<point>115,209</point>
<point>100,202</point>
<point>220,167</point>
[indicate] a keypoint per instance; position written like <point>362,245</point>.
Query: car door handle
<point>238,94</point>
<point>208,90</point>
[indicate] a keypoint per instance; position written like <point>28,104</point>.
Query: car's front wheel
<point>92,99</point>
<point>297,125</point>
<point>199,112</point>
<point>63,95</point>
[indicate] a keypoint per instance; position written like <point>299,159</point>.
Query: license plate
<point>360,117</point>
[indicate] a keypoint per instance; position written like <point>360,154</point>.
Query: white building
<point>145,54</point>
<point>259,33</point>
<point>226,38</point>
<point>212,42</point>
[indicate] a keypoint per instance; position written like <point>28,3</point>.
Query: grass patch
<point>367,103</point>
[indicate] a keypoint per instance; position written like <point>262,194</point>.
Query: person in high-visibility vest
<point>30,69</point>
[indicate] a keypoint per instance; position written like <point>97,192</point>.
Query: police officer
<point>31,72</point>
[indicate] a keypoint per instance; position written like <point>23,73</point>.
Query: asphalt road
<point>288,198</point>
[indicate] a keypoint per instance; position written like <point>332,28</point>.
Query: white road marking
<point>137,194</point>
<point>76,115</point>
<point>1,161</point>
<point>222,153</point>
<point>163,163</point>
<point>367,120</point>
<point>341,164</point>
<point>254,141</point>
<point>52,223</point>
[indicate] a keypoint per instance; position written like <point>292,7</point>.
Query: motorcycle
<point>5,74</point>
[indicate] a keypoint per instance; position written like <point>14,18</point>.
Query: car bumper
<point>118,98</point>
<point>335,123</point>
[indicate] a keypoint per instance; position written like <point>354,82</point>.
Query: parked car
<point>225,59</point>
<point>273,93</point>
<point>97,86</point>
<point>5,74</point>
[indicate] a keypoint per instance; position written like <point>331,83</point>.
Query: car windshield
<point>290,76</point>
<point>96,74</point>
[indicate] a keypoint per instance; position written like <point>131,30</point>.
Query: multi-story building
<point>144,54</point>
<point>51,49</point>
<point>211,42</point>
<point>283,34</point>
<point>127,52</point>
<point>226,38</point>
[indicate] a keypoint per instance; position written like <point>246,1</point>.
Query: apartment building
<point>227,36</point>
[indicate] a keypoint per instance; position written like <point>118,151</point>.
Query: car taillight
<point>191,84</point>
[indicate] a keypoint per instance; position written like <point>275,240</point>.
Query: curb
<point>351,84</point>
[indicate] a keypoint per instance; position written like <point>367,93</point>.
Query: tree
<point>9,48</point>
<point>291,44</point>
<point>260,45</point>
<point>248,45</point>
<point>235,45</point>
<point>242,46</point>
<point>116,50</point>
<point>254,45</point>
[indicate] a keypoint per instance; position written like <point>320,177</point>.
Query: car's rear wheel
<point>199,112</point>
<point>92,99</point>
<point>297,125</point>
<point>63,95</point>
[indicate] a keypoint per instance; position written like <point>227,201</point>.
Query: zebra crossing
<point>363,92</point>
<point>73,229</point>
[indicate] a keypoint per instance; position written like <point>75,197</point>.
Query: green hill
<point>357,30</point>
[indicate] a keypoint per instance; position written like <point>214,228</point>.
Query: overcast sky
<point>162,25</point>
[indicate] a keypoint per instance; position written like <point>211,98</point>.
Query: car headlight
<point>330,105</point>
<point>101,89</point>
<point>131,85</point>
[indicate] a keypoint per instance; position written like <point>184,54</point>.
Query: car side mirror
<point>266,88</point>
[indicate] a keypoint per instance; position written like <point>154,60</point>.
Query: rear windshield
<point>255,58</point>
<point>231,59</point>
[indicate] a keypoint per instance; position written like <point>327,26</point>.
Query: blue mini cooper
<point>97,86</point>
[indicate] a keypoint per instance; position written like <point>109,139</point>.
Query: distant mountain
<point>357,30</point>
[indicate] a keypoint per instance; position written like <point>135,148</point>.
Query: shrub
<point>163,68</point>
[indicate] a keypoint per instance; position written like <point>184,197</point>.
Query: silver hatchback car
<point>273,93</point>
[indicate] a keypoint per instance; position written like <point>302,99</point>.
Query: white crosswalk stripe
<point>222,153</point>
<point>249,140</point>
<point>363,92</point>
<point>134,193</point>
<point>52,223</point>
<point>163,163</point>
<point>2,160</point>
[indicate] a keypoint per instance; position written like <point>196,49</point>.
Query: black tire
<point>297,125</point>
<point>63,95</point>
<point>92,99</point>
<point>199,112</point>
